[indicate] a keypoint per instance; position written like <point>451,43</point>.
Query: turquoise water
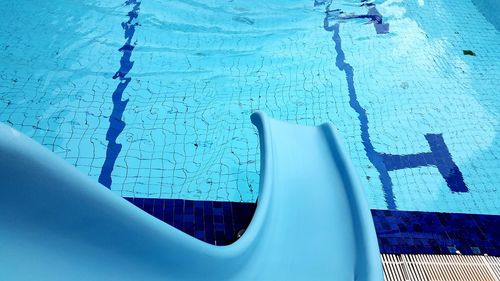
<point>201,68</point>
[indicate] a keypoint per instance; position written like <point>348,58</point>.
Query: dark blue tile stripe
<point>402,232</point>
<point>116,124</point>
<point>372,155</point>
<point>439,157</point>
<point>399,232</point>
<point>213,222</point>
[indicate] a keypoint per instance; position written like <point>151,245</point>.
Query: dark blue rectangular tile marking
<point>398,232</point>
<point>213,222</point>
<point>373,15</point>
<point>439,156</point>
<point>404,232</point>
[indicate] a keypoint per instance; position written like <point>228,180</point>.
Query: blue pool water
<point>152,98</point>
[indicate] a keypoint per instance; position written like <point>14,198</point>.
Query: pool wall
<point>398,232</point>
<point>490,9</point>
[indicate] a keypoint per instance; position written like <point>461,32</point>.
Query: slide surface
<point>311,221</point>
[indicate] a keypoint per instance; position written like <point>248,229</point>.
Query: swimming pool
<point>411,86</point>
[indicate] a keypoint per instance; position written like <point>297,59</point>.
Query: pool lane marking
<point>373,156</point>
<point>116,124</point>
<point>439,155</point>
<point>373,15</point>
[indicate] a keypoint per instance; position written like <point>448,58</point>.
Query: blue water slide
<point>311,221</point>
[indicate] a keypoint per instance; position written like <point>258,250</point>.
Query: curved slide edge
<point>273,134</point>
<point>57,224</point>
